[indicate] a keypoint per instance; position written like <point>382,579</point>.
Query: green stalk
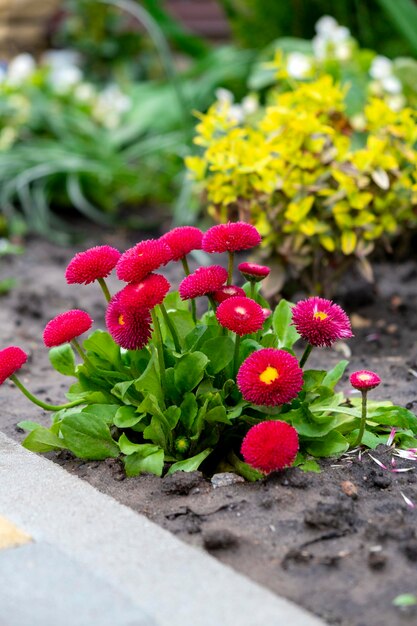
<point>186,267</point>
<point>236,355</point>
<point>306,354</point>
<point>230,268</point>
<point>159,348</point>
<point>363,418</point>
<point>43,405</point>
<point>105,289</point>
<point>171,327</point>
<point>212,302</point>
<point>252,292</point>
<point>82,354</point>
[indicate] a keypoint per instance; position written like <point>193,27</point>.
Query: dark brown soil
<point>342,543</point>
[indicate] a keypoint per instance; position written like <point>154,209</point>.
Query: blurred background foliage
<point>103,126</point>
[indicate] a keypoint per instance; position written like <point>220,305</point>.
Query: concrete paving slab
<point>174,583</point>
<point>41,586</point>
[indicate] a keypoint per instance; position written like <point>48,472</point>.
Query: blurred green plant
<point>326,167</point>
<point>381,25</point>
<point>7,248</point>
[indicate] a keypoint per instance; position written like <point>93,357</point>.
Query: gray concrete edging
<point>172,582</point>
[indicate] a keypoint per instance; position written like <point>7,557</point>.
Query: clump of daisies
<point>167,390</point>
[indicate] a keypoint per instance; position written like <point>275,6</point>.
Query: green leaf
<point>145,461</point>
<point>62,359</point>
<point>219,351</point>
<point>217,414</point>
<point>189,410</point>
<point>281,323</point>
<point>307,424</point>
<point>28,425</point>
<point>189,371</point>
<point>150,383</point>
<point>101,344</point>
<point>183,323</point>
<point>43,440</point>
<point>88,437</point>
<point>405,599</point>
<point>127,417</point>
<point>333,444</point>
<point>191,464</point>
<point>127,393</point>
<point>393,416</point>
<point>313,379</point>
<point>334,375</point>
<point>106,412</point>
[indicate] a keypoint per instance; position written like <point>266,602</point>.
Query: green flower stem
<point>159,348</point>
<point>236,355</point>
<point>306,354</point>
<point>43,405</point>
<point>82,354</point>
<point>363,419</point>
<point>212,302</point>
<point>230,268</point>
<point>105,289</point>
<point>171,327</point>
<point>186,267</point>
<point>252,292</point>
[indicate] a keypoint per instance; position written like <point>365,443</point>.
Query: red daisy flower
<point>94,263</point>
<point>182,240</point>
<point>254,272</point>
<point>145,257</point>
<point>320,321</point>
<point>66,327</point>
<point>240,314</point>
<point>364,380</point>
<point>145,294</point>
<point>130,327</point>
<point>11,360</point>
<point>230,237</point>
<point>266,312</point>
<point>270,377</point>
<point>203,281</point>
<point>228,291</point>
<point>270,446</point>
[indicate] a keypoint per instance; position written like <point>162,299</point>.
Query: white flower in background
<point>325,25</point>
<point>85,92</point>
<point>61,58</point>
<point>332,40</point>
<point>20,69</point>
<point>224,96</point>
<point>250,104</point>
<point>298,65</point>
<point>64,79</point>
<point>381,67</point>
<point>396,103</point>
<point>392,85</point>
<point>110,105</point>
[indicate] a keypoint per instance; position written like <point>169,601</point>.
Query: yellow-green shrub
<point>321,188</point>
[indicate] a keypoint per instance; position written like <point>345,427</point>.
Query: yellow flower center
<point>240,310</point>
<point>121,320</point>
<point>364,377</point>
<point>320,315</point>
<point>269,375</point>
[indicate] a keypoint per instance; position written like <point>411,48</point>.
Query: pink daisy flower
<point>240,314</point>
<point>270,377</point>
<point>94,263</point>
<point>266,312</point>
<point>145,294</point>
<point>203,281</point>
<point>142,259</point>
<point>182,240</point>
<point>270,446</point>
<point>364,380</point>
<point>11,360</point>
<point>228,291</point>
<point>230,237</point>
<point>320,321</point>
<point>66,327</point>
<point>254,272</point>
<point>130,327</point>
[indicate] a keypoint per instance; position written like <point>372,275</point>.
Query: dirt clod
<point>219,539</point>
<point>181,483</point>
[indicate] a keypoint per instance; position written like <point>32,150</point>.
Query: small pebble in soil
<point>219,539</point>
<point>377,559</point>
<point>349,489</point>
<point>224,479</point>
